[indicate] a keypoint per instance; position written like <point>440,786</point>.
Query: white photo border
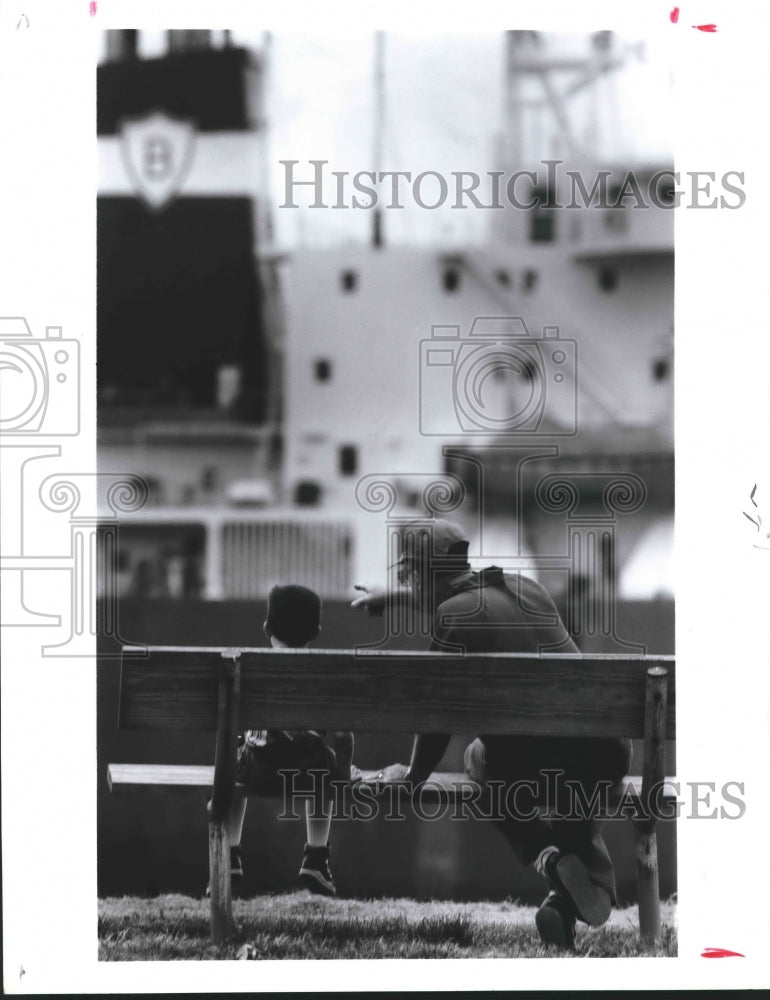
<point>47,262</point>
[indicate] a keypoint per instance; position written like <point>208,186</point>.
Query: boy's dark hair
<point>293,614</point>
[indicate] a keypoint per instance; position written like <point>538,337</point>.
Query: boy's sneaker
<point>315,873</point>
<point>236,872</point>
<point>568,876</point>
<point>555,922</point>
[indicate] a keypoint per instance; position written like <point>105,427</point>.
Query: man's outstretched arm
<point>427,751</point>
<point>375,598</point>
<point>342,744</point>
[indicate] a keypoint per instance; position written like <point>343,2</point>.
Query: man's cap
<point>442,541</point>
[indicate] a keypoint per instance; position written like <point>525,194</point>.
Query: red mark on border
<point>92,8</point>
<point>720,953</point>
<point>674,19</point>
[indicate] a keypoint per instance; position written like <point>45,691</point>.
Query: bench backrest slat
<point>175,688</point>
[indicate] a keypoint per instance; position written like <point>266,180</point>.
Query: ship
<point>266,407</point>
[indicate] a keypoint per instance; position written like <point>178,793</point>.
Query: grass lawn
<point>300,925</point>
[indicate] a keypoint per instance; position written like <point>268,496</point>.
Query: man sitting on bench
<point>293,620</point>
<point>487,612</point>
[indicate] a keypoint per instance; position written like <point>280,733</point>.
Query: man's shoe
<point>236,872</point>
<point>568,876</point>
<point>315,873</point>
<point>555,922</point>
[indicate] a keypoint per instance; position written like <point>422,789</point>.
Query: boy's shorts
<point>259,765</point>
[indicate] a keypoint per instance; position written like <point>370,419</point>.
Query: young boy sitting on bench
<point>293,621</point>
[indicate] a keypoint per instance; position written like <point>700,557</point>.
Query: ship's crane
<point>539,82</point>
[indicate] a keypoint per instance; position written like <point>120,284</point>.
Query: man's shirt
<point>493,612</point>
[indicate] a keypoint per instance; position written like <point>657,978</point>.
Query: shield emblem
<point>157,152</point>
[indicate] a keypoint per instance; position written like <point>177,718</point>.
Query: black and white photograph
<point>391,535</point>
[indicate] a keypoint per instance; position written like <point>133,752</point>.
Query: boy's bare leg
<point>315,874</point>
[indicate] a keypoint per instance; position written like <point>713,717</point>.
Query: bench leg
<point>220,881</point>
<point>648,888</point>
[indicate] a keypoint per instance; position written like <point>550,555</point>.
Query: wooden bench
<point>172,688</point>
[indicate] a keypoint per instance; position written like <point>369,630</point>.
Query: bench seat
<point>136,777</point>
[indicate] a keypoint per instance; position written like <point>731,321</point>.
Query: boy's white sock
<point>317,826</point>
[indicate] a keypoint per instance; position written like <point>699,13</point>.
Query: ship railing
<point>235,555</point>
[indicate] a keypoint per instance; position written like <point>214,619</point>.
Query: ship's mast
<point>378,234</point>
